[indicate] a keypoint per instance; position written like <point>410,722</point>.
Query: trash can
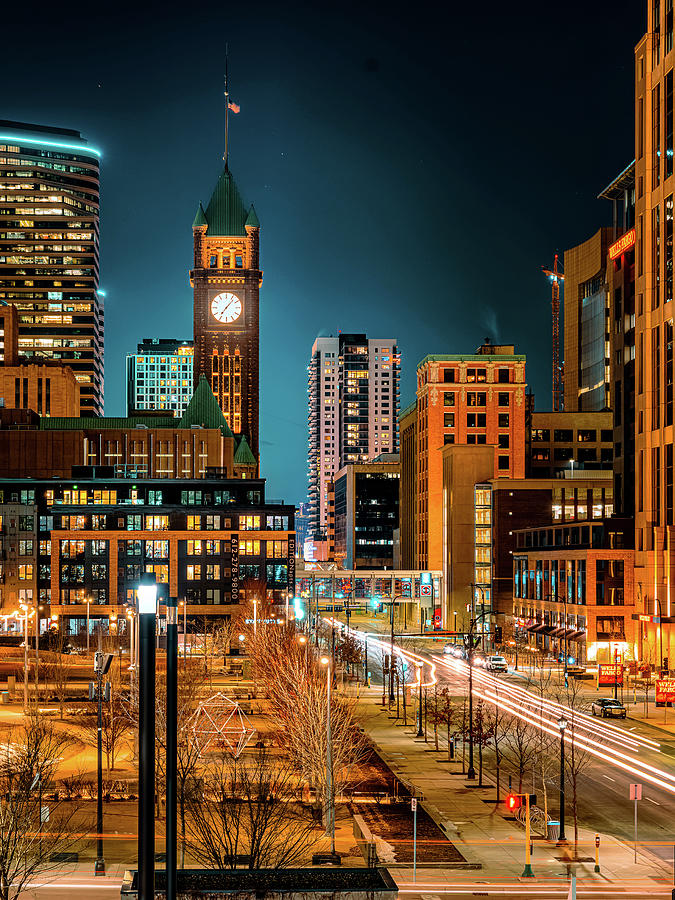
<point>553,831</point>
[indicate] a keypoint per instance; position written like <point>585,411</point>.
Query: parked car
<point>496,664</point>
<point>479,658</point>
<point>449,649</point>
<point>605,707</point>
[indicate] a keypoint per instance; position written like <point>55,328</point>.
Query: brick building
<point>560,441</point>
<point>476,399</point>
<point>198,443</point>
<point>574,583</point>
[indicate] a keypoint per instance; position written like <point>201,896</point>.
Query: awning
<point>578,635</point>
<point>536,629</point>
<point>558,632</point>
<point>548,629</point>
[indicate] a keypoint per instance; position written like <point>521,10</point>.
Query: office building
<point>655,372</point>
<point>366,513</point>
<point>353,388</point>
<point>621,279</point>
<point>159,376</point>
<point>49,250</point>
<point>474,399</point>
<point>561,441</point>
<point>226,280</point>
<point>573,588</point>
<point>587,325</point>
<point>214,543</point>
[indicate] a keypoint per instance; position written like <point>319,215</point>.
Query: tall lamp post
<point>392,602</point>
<point>420,733</point>
<point>88,599</point>
<point>562,725</point>
<point>171,745</point>
<point>101,665</point>
<point>330,804</point>
<point>471,771</point>
<point>147,605</point>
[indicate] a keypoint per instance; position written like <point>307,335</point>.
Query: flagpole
<point>227,106</point>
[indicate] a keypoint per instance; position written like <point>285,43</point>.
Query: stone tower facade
<point>226,279</point>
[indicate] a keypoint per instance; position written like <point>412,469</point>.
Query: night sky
<point>412,166</point>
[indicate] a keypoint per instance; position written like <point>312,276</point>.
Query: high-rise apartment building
<point>353,387</point>
<point>159,376</point>
<point>655,369</point>
<point>49,250</point>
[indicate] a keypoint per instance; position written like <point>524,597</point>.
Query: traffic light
<point>498,634</point>
<point>513,802</point>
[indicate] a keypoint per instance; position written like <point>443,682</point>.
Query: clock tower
<point>226,280</point>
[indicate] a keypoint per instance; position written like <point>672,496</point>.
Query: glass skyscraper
<point>159,376</point>
<point>49,250</point>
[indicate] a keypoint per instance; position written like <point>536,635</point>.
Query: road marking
<point>607,777</point>
<point>652,801</point>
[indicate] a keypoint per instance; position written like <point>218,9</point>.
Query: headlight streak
<point>534,717</point>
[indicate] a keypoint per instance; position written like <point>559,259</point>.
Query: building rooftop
<point>225,213</point>
<point>66,138</point>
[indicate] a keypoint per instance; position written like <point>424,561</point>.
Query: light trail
<point>542,714</point>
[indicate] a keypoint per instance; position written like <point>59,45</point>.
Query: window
<point>475,420</point>
<point>503,398</point>
<point>26,572</point>
<point>156,549</point>
<point>134,523</point>
<point>503,376</point>
<point>249,523</point>
<point>586,435</point>
<point>476,398</point>
<point>194,572</point>
<point>194,548</point>
<point>563,435</point>
<point>194,523</point>
<point>156,523</point>
<point>277,549</point>
<point>502,462</point>
<point>213,572</point>
<point>450,438</point>
<point>448,376</point>
<point>449,398</point>
<point>540,434</point>
<point>249,548</point>
<point>503,442</point>
<point>476,375</point>
<point>213,523</point>
<point>212,548</point>
<point>449,420</point>
<point>503,420</point>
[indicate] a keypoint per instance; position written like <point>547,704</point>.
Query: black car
<point>608,707</point>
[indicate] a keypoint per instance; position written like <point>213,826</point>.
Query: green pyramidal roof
<point>226,213</point>
<point>252,218</point>
<point>203,410</point>
<point>200,217</point>
<point>243,455</point>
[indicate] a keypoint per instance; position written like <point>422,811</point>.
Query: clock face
<point>226,307</point>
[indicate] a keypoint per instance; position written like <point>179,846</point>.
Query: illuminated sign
<point>625,242</point>
<point>608,673</point>
<point>665,690</point>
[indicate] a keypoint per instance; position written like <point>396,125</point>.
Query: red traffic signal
<point>513,802</point>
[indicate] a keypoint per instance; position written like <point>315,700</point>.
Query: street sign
<point>413,804</point>
<point>425,590</point>
<point>636,792</point>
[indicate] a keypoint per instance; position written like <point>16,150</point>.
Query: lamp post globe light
<point>562,725</point>
<point>147,605</point>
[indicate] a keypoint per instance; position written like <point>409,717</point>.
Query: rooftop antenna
<point>227,107</point>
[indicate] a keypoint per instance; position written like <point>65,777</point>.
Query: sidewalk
<point>481,830</point>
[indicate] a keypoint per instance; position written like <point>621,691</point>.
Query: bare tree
<point>349,651</point>
<point>248,813</point>
<point>482,734</point>
<point>57,671</point>
<point>496,726</point>
<point>296,686</point>
<point>577,758</point>
<point>520,747</point>
<point>30,847</point>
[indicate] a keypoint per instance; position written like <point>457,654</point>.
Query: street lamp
<point>171,744</point>
<point>330,805</point>
<point>562,725</point>
<point>88,601</point>
<point>391,656</point>
<point>471,772</point>
<point>147,605</point>
<point>419,713</point>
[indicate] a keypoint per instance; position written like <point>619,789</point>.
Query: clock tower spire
<point>226,279</point>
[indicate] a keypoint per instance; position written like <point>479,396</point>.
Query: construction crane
<point>556,277</point>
